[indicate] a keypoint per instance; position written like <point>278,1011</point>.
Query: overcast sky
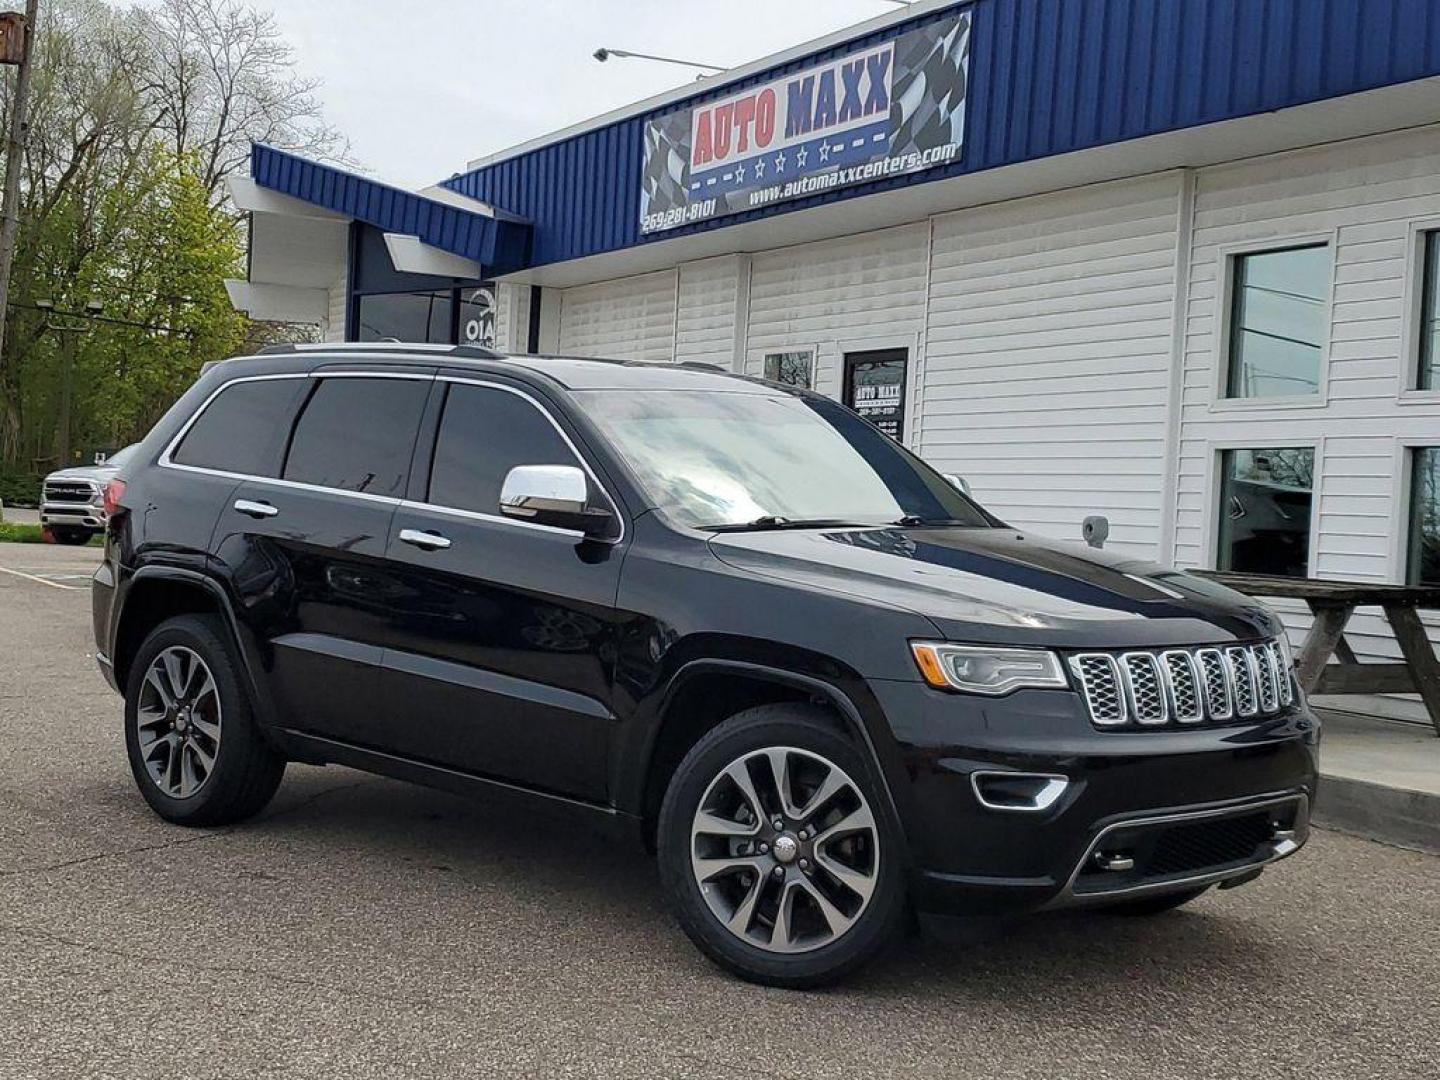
<point>422,87</point>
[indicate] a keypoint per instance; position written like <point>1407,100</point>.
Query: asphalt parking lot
<point>363,927</point>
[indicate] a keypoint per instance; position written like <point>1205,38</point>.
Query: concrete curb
<point>1393,815</point>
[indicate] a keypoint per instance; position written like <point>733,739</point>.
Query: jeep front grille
<point>1183,686</point>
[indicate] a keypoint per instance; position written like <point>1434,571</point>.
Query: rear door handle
<point>429,541</point>
<point>256,509</point>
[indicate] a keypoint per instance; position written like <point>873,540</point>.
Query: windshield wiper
<point>774,521</point>
<point>917,519</point>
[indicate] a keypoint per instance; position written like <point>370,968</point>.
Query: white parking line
<point>41,580</point>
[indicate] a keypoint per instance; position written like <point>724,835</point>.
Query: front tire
<point>190,733</point>
<point>776,853</point>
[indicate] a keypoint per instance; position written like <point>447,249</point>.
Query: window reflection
<point>1425,517</point>
<point>1430,314</point>
<point>419,317</point>
<point>1265,505</point>
<point>1278,322</point>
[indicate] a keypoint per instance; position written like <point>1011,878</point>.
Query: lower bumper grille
<point>1204,844</point>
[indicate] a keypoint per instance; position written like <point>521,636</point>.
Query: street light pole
<point>69,340</point>
<point>14,147</point>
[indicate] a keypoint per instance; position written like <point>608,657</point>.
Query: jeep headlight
<point>987,669</point>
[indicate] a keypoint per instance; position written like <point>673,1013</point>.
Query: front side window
<point>1424,568</point>
<point>1430,313</point>
<point>719,459</point>
<point>1265,506</point>
<point>484,433</point>
<point>1277,322</point>
<point>244,427</point>
<point>357,435</point>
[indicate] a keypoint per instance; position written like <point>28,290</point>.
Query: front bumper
<point>1123,793</point>
<point>80,515</point>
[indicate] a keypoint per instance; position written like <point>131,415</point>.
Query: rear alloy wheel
<point>194,747</point>
<point>178,722</point>
<point>775,856</point>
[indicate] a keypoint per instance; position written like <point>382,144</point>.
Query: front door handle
<point>429,541</point>
<point>256,509</point>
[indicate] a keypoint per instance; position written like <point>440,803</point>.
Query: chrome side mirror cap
<point>959,483</point>
<point>554,495</point>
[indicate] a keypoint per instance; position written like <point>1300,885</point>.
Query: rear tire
<point>70,534</point>
<point>190,732</point>
<point>1155,905</point>
<point>799,906</point>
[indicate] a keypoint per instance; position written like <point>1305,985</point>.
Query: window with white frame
<point>1424,560</point>
<point>1277,322</point>
<point>1266,498</point>
<point>1429,329</point>
<point>793,368</point>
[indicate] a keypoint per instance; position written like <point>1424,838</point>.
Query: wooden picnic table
<point>1332,603</point>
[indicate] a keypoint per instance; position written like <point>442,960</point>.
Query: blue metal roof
<point>1046,77</point>
<point>498,243</point>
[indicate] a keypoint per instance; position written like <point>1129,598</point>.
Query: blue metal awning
<point>500,242</point>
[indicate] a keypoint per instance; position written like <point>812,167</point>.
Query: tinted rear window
<point>357,435</point>
<point>484,433</point>
<point>243,430</point>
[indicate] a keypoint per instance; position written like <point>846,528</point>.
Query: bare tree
<point>222,76</point>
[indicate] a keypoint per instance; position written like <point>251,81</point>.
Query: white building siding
<point>845,295</point>
<point>1048,356</point>
<point>629,319</point>
<point>334,328</point>
<point>706,324</point>
<point>1365,197</point>
<point>512,317</point>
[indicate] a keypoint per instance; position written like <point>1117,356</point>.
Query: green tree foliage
<point>137,116</point>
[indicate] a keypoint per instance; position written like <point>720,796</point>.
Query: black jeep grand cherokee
<point>730,618</point>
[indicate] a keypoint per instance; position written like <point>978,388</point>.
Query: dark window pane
<point>1425,517</point>
<point>1265,500</point>
<point>1430,315</point>
<point>477,317</point>
<point>1277,321</point>
<point>244,429</point>
<point>357,434</point>
<point>421,317</point>
<point>484,433</point>
<point>789,368</point>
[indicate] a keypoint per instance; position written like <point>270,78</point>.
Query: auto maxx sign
<point>885,110</point>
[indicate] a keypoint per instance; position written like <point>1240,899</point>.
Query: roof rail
<point>474,352</point>
<point>701,365</point>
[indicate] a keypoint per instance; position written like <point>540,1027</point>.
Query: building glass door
<point>875,388</point>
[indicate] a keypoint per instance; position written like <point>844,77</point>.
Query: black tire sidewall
<point>245,765</point>
<point>807,728</point>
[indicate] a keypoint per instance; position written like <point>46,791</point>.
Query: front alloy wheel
<point>785,850</point>
<point>776,854</point>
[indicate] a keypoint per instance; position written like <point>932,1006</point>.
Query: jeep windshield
<point>747,460</point>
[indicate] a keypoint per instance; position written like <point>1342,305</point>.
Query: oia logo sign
<point>795,124</point>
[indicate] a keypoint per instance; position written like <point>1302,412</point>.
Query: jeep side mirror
<point>554,495</point>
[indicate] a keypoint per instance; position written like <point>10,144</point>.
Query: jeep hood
<point>1002,586</point>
